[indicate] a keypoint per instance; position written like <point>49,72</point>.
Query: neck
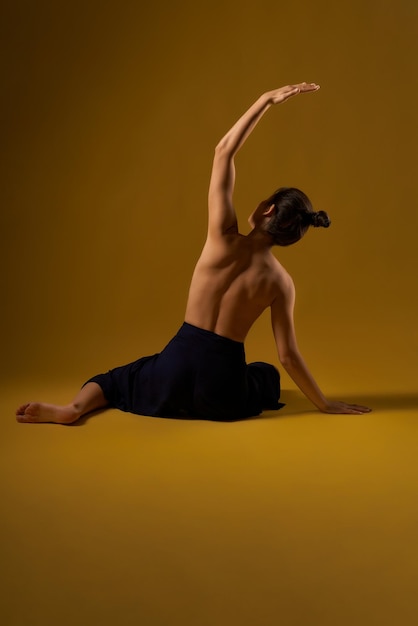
<point>261,238</point>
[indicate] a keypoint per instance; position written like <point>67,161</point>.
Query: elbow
<point>289,359</point>
<point>222,149</point>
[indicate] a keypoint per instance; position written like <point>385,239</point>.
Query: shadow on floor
<point>381,401</point>
<point>88,416</point>
<point>297,404</point>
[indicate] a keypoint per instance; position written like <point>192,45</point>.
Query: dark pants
<point>198,374</point>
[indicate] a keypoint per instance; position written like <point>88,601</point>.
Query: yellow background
<point>111,111</point>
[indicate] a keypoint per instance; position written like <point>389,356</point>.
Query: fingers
<point>305,87</point>
<point>291,90</point>
<point>359,407</point>
<point>363,409</point>
<point>350,409</point>
<point>356,409</point>
<point>284,93</point>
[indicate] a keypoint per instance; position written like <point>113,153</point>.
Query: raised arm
<point>222,218</point>
<point>292,360</point>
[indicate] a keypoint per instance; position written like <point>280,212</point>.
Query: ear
<point>270,210</point>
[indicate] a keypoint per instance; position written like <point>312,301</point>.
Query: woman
<point>202,372</point>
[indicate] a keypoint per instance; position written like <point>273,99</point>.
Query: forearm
<point>236,136</point>
<point>297,369</point>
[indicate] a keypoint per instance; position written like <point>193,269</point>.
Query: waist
<point>189,330</point>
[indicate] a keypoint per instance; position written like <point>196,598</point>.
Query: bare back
<point>234,281</point>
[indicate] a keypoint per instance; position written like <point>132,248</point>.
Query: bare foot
<point>41,412</point>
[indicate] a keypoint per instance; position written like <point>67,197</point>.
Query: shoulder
<point>284,280</point>
<point>228,245</point>
<point>284,287</point>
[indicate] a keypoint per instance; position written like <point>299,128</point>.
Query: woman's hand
<point>343,407</point>
<point>284,93</point>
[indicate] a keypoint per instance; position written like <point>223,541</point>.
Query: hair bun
<point>320,219</point>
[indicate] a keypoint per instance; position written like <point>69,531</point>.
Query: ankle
<point>76,409</point>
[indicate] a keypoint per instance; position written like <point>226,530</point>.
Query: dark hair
<point>293,216</point>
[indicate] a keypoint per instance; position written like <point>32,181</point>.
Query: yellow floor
<point>293,518</point>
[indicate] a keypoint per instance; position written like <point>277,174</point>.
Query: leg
<point>89,398</point>
<point>264,385</point>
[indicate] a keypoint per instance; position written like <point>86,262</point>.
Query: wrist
<point>266,99</point>
<point>322,404</point>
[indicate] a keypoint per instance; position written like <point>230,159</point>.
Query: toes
<point>32,410</point>
<point>28,412</point>
<point>25,418</point>
<point>22,418</point>
<point>21,410</point>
